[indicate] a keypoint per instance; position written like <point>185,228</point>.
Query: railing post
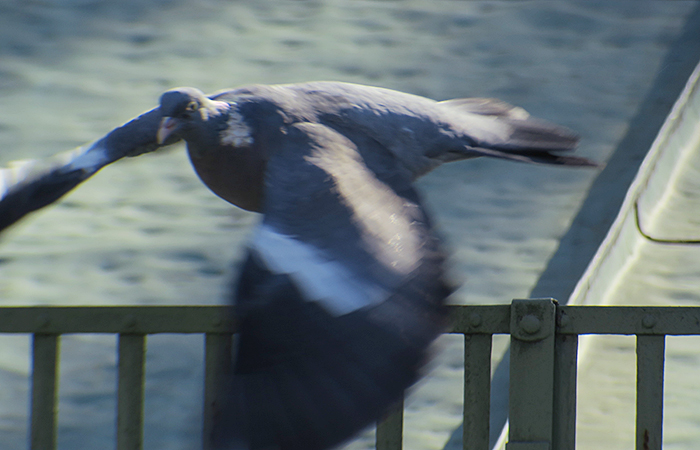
<point>44,391</point>
<point>650,391</point>
<point>130,391</point>
<point>477,391</point>
<point>390,429</point>
<point>218,368</point>
<point>532,328</point>
<point>564,413</point>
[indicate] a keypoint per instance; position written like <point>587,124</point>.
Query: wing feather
<point>309,373</point>
<point>31,185</point>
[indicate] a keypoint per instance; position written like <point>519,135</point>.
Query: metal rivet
<point>530,324</point>
<point>649,321</point>
<point>43,321</point>
<point>130,321</point>
<point>474,319</point>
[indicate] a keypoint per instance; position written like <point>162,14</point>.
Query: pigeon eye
<point>189,109</point>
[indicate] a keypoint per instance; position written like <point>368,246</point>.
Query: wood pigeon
<point>342,289</point>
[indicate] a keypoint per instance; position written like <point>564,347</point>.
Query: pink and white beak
<point>167,126</point>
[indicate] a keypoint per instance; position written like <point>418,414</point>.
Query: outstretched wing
<point>338,301</point>
<point>31,185</point>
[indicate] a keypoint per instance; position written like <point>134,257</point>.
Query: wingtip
<point>34,184</point>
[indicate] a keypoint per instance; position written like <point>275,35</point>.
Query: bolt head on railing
<point>530,324</point>
<point>475,320</point>
<point>130,322</point>
<point>532,319</point>
<point>648,321</point>
<point>43,322</point>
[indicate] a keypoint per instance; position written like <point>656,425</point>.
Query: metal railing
<point>544,347</point>
<point>132,324</point>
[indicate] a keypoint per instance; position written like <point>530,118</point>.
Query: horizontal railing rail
<point>465,319</point>
<point>544,348</point>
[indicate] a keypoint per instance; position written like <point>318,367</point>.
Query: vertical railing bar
<point>531,396</point>
<point>477,391</point>
<point>564,410</point>
<point>650,391</point>
<point>218,366</point>
<point>130,391</point>
<point>45,356</point>
<point>390,429</point>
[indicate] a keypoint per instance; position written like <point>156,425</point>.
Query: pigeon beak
<point>166,128</point>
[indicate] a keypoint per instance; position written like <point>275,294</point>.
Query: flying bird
<point>342,290</point>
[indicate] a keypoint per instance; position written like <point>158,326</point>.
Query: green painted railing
<point>544,344</point>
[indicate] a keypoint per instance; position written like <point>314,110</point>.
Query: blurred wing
<point>31,185</point>
<point>338,301</point>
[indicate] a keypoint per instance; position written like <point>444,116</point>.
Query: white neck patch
<point>237,133</point>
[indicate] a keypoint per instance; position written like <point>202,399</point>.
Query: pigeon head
<point>184,111</point>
